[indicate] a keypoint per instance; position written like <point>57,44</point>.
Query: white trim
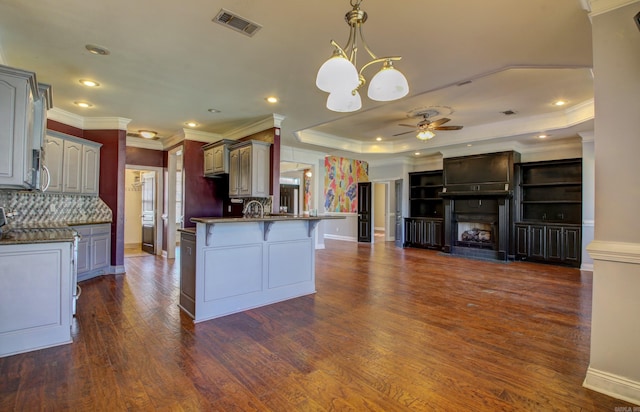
<point>65,117</point>
<point>586,267</point>
<point>116,270</point>
<point>159,202</point>
<point>588,223</point>
<point>275,120</point>
<point>612,385</point>
<point>621,252</point>
<point>604,6</point>
<point>144,143</point>
<point>338,237</point>
<point>198,136</point>
<point>105,123</point>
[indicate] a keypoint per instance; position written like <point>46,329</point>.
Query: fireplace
<point>477,226</point>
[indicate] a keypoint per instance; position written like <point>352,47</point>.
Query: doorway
<point>142,204</point>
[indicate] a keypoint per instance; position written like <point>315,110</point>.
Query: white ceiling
<point>169,63</point>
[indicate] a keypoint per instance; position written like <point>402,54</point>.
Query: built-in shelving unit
<point>424,227</point>
<point>548,226</point>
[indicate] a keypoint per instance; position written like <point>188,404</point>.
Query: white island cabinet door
<point>35,296</point>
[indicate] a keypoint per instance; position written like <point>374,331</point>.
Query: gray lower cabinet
<point>423,233</point>
<point>188,272</point>
<point>548,242</point>
<point>94,250</point>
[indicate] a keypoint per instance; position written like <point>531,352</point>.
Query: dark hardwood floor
<point>388,330</point>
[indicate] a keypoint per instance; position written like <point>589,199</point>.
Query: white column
<point>588,197</point>
<point>614,366</point>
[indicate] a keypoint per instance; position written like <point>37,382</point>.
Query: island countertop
<point>266,218</point>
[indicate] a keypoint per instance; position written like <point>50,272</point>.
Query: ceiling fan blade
<point>400,134</point>
<point>437,123</point>
<point>407,125</point>
<point>448,128</point>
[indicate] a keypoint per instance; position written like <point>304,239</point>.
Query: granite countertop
<point>267,218</point>
<point>41,232</point>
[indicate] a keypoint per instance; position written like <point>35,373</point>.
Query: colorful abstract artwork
<point>307,190</point>
<point>341,177</point>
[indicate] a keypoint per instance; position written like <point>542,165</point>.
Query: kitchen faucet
<point>246,209</point>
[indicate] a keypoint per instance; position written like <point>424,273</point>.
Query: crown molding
<point>65,117</point>
<point>274,120</point>
<point>597,7</point>
<point>144,143</point>
<point>105,123</point>
<point>87,123</point>
<point>587,137</point>
<point>198,136</point>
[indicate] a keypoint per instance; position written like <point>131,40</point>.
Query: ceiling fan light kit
<point>339,75</point>
<point>425,135</point>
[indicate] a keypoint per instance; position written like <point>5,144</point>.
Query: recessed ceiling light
<point>147,134</point>
<point>99,50</point>
<point>213,110</point>
<point>89,83</point>
<point>559,103</point>
<point>417,153</point>
<point>191,124</point>
<point>378,139</point>
<point>469,145</point>
<point>272,99</point>
<point>542,136</point>
<point>83,104</point>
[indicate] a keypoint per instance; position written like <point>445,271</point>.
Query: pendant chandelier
<point>340,77</point>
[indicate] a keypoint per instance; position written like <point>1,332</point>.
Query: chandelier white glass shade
<point>425,134</point>
<point>339,75</point>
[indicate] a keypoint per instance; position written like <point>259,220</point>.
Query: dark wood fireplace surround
<point>492,206</point>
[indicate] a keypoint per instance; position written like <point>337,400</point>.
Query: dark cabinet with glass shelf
<point>548,223</point>
<point>424,226</point>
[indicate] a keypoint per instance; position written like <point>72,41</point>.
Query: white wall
<point>379,206</point>
<point>615,329</point>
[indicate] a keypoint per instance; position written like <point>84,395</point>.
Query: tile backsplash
<point>37,207</point>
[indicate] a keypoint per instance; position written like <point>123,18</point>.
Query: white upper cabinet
<point>249,169</point>
<point>216,158</point>
<point>18,92</point>
<point>73,164</point>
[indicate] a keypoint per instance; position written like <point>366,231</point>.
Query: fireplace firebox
<point>477,225</point>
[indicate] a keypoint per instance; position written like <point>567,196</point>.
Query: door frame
<point>157,248</point>
<point>170,216</point>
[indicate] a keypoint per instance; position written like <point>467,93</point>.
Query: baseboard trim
<point>116,270</point>
<point>337,237</point>
<point>612,385</point>
<point>587,267</point>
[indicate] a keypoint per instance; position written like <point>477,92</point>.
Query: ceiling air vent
<point>237,23</point>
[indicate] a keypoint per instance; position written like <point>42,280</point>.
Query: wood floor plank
<point>389,329</point>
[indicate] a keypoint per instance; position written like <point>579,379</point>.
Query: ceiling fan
<point>425,127</point>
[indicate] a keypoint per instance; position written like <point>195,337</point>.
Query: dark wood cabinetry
<point>424,227</point>
<point>423,232</point>
<point>548,227</point>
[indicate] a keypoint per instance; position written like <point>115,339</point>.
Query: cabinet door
<point>83,260</point>
<point>100,251</point>
<point>188,272</point>
<point>245,171</point>
<point>260,168</point>
<point>16,131</point>
<point>572,245</point>
<point>436,234</point>
<point>52,159</point>
<point>554,243</point>
<point>537,242</point>
<point>522,240</point>
<point>234,172</point>
<point>90,169</point>
<point>219,159</point>
<point>72,167</point>
<point>409,226</point>
<point>208,161</point>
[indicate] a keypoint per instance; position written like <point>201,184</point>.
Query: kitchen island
<point>229,265</point>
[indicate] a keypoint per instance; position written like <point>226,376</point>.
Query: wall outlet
<point>229,208</point>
